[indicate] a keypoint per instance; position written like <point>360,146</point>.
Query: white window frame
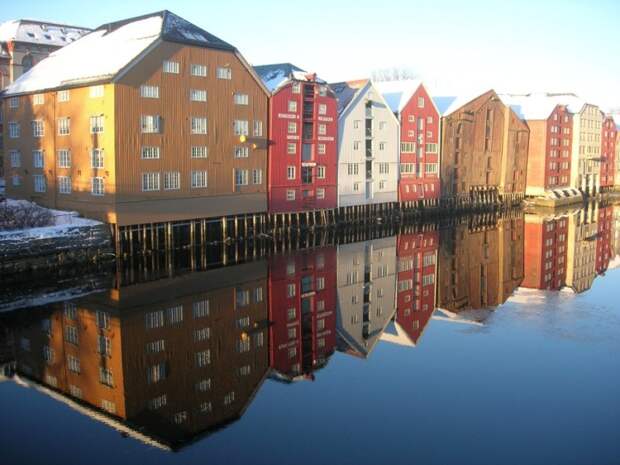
<point>171,67</point>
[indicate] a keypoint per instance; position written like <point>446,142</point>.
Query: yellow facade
<point>585,164</point>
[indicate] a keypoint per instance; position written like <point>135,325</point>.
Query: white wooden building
<point>368,145</point>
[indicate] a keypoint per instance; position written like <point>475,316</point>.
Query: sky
<point>455,46</point>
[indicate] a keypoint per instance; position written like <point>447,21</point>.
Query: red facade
<point>558,150</point>
<point>608,152</point>
<point>604,238</point>
<point>417,273</point>
<point>303,137</point>
<point>419,154</point>
<point>545,253</point>
<point>302,311</point>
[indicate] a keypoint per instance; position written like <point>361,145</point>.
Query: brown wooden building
<point>148,131</point>
<point>484,150</point>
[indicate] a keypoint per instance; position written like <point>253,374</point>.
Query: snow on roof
<point>539,106</point>
<point>461,100</point>
<point>40,32</point>
<point>276,75</point>
<point>346,91</point>
<point>103,53</point>
<point>398,93</point>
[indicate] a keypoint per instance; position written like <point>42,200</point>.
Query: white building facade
<point>368,145</point>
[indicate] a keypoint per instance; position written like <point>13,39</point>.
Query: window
<point>203,358</point>
<point>75,391</point>
<point>199,125</point>
<point>199,151</point>
<point>322,109</point>
<point>291,148</point>
<point>172,67</point>
<point>156,373</point>
<point>105,376</point>
<point>180,417</point>
<point>63,96</point>
<point>320,148</point>
<point>257,176</point>
<point>292,352</point>
<point>199,179</point>
<point>296,87</point>
<point>320,193</point>
<point>150,182</point>
<point>240,99</point>
<point>290,195</point>
<point>201,334</point>
<point>103,319</point>
<point>149,91</point>
<point>198,95</point>
<point>223,73</point>
<point>431,148</point>
<point>38,130</point>
<point>200,309</point>
<point>157,402</point>
<point>292,128</point>
<point>174,314</point>
<point>105,345</point>
<point>39,183</point>
<point>64,158</point>
<point>352,169</point>
<point>95,91</point>
<point>292,106</point>
<point>241,177</point>
<point>291,290</point>
<point>172,180</point>
<point>64,126</point>
<point>14,102</point>
<point>96,124</point>
<point>155,319</point>
<point>420,102</point>
<point>150,153</point>
<point>258,128</point>
<point>96,158</point>
<point>320,283</point>
<point>290,172</point>
<point>241,127</point>
<point>291,313</point>
<point>203,385</point>
<point>64,184</point>
<point>356,186</point>
<point>149,124</point>
<point>229,398</point>
<point>384,168</point>
<point>242,152</point>
<point>431,168</point>
<point>16,158</point>
<point>16,180</point>
<point>198,70</point>
<point>320,172</point>
<point>37,158</point>
<point>322,129</point>
<point>157,346</point>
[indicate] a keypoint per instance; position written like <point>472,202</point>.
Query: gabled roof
<point>40,32</point>
<point>398,93</point>
<point>446,105</point>
<point>538,106</point>
<point>102,54</point>
<point>346,91</point>
<point>275,75</point>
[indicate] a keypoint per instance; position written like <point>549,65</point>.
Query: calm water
<point>493,341</point>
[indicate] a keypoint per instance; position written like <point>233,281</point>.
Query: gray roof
<point>345,92</point>
<point>275,74</point>
<point>40,32</point>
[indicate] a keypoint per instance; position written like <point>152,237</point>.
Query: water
<point>492,341</point>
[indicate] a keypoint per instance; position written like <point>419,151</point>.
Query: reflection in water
<point>173,359</point>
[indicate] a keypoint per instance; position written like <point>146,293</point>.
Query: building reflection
<point>480,266</point>
<point>173,358</point>
<point>302,311</point>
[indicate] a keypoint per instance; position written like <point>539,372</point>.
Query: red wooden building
<point>303,135</point>
<point>608,152</point>
<point>419,139</point>
<point>302,312</point>
<point>417,277</point>
<point>604,237</point>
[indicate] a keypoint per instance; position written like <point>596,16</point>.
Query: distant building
<point>150,132</point>
<point>604,238</point>
<point>23,43</point>
<point>419,139</point>
<point>366,294</point>
<point>550,144</point>
<point>367,145</point>
<point>302,312</point>
<point>484,149</point>
<point>303,140</point>
<point>581,249</point>
<point>609,134</point>
<point>545,251</point>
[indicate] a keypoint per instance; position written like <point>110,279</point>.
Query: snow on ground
<point>64,223</point>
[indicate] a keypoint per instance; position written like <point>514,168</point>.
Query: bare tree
<point>395,73</point>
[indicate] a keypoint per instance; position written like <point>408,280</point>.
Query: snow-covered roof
<point>446,105</point>
<point>275,75</point>
<point>398,93</point>
<point>40,32</point>
<point>103,53</point>
<point>346,91</point>
<point>539,106</point>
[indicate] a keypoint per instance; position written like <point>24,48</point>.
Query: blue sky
<point>455,46</point>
